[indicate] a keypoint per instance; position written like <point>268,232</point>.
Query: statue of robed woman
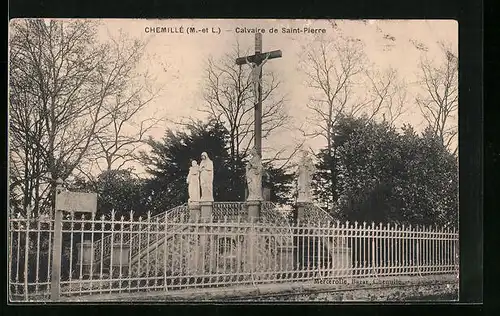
<point>254,177</point>
<point>206,177</point>
<point>193,180</point>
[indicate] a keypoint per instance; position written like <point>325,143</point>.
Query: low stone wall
<point>444,287</point>
<point>424,292</point>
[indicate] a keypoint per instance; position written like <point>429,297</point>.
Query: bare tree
<point>342,83</point>
<point>332,69</point>
<point>229,100</point>
<point>63,82</point>
<point>439,101</point>
<point>388,94</point>
<point>26,169</point>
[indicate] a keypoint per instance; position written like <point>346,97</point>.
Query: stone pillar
<point>287,255</point>
<point>205,240</point>
<point>253,209</point>
<point>206,210</point>
<point>194,211</point>
<point>301,252</point>
<point>301,210</point>
<point>85,256</point>
<point>120,257</point>
<point>341,261</point>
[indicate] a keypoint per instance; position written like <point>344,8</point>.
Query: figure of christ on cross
<point>256,75</point>
<point>256,61</point>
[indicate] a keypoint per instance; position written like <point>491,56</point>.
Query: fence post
<point>55,282</point>
<point>26,251</point>
<point>373,265</point>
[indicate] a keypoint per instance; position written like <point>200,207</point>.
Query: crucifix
<point>256,61</point>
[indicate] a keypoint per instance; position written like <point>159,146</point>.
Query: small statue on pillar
<point>254,177</point>
<point>193,181</point>
<point>206,177</point>
<point>306,171</point>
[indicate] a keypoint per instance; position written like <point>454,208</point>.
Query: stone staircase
<point>138,243</point>
<point>176,249</point>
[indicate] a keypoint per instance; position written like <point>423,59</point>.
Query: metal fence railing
<point>163,253</point>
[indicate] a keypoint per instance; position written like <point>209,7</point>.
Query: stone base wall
<point>436,288</point>
<point>422,292</point>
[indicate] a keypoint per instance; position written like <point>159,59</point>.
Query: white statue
<point>206,178</point>
<point>193,180</point>
<point>255,75</point>
<point>254,177</point>
<point>306,170</point>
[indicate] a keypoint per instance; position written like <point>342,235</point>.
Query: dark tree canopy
<point>169,161</point>
<point>381,175</point>
<point>118,190</point>
<point>280,182</point>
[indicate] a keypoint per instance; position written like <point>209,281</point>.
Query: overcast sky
<point>178,61</point>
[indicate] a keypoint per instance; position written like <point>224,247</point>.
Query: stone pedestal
<point>253,209</point>
<point>250,259</point>
<point>120,255</point>
<point>85,255</point>
<point>194,211</point>
<point>287,257</point>
<point>195,264</point>
<point>206,210</point>
<point>341,262</point>
<point>301,210</point>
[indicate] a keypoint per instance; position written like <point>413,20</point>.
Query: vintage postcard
<point>233,160</point>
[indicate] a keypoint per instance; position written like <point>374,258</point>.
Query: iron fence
<point>166,253</point>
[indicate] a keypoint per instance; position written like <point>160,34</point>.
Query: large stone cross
<point>257,61</point>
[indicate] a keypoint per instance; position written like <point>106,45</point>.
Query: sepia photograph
<point>232,160</point>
